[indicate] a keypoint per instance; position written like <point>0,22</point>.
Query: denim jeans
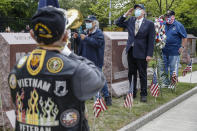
<point>172,63</point>
<point>105,88</point>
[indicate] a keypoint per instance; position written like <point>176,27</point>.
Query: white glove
<point>66,51</point>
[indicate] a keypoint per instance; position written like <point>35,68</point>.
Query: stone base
<point>120,88</point>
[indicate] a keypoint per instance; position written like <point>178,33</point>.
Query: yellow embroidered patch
<point>35,61</point>
<point>43,30</point>
<point>55,65</point>
<point>12,81</point>
<point>21,62</point>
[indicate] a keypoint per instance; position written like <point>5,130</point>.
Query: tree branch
<point>157,3</point>
<point>171,4</point>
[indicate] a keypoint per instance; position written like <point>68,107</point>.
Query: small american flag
<point>187,69</point>
<point>128,103</point>
<point>154,86</point>
<point>174,80</point>
<point>99,105</point>
<point>129,100</point>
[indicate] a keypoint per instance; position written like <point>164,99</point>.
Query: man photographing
<point>91,45</point>
<point>140,44</point>
<point>49,87</point>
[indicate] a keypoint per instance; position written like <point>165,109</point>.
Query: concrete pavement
<point>190,77</point>
<point>182,117</point>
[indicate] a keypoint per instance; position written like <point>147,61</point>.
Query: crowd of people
<point>50,86</point>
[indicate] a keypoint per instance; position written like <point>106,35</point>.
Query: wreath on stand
<point>160,41</point>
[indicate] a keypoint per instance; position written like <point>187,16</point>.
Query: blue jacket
<point>174,32</point>
<point>143,41</point>
<point>92,47</point>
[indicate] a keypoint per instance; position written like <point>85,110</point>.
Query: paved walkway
<point>187,77</point>
<point>182,117</point>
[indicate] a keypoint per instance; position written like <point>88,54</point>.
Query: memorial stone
<point>115,62</point>
<point>12,47</point>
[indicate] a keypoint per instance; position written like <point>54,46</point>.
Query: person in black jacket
<point>91,45</point>
<point>50,86</point>
<point>140,44</point>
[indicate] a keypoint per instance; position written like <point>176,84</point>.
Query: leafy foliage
<point>186,11</point>
<point>14,13</point>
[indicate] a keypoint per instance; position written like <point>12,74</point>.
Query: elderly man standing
<point>175,43</point>
<point>91,45</point>
<point>139,47</point>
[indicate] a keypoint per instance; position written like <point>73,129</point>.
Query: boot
<point>108,101</point>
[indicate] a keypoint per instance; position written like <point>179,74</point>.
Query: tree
<point>81,5</point>
<point>14,13</point>
<point>186,13</point>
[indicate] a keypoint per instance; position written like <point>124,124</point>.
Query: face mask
<point>170,20</point>
<point>88,25</point>
<point>138,12</point>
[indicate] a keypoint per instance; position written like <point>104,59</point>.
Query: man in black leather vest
<point>49,87</point>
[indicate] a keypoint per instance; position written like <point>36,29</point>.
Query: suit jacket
<point>144,39</point>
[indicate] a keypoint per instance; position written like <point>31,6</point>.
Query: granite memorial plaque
<point>115,62</point>
<point>12,47</point>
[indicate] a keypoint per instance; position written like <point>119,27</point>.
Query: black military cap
<point>91,18</point>
<point>48,24</point>
<point>170,13</point>
<point>139,5</point>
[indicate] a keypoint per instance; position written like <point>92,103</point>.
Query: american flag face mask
<point>170,19</point>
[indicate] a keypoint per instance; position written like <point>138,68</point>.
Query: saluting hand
<point>129,12</point>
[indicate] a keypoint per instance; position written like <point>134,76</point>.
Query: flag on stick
<point>128,103</point>
<point>129,100</point>
<point>174,80</point>
<point>99,105</point>
<point>188,68</point>
<point>154,86</point>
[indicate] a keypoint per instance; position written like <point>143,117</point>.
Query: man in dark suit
<point>140,44</point>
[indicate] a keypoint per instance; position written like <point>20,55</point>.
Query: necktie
<point>137,26</point>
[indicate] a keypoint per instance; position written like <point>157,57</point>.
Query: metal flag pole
<point>94,121</point>
<point>176,66</point>
<point>191,78</point>
<point>94,124</point>
<point>154,71</point>
<point>132,86</point>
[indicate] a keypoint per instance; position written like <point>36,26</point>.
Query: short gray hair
<point>97,23</point>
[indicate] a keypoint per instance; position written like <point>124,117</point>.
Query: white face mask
<point>138,12</point>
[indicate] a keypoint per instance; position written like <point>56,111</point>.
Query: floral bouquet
<point>160,41</point>
<point>160,38</point>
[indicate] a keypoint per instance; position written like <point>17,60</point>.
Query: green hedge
<point>15,24</point>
